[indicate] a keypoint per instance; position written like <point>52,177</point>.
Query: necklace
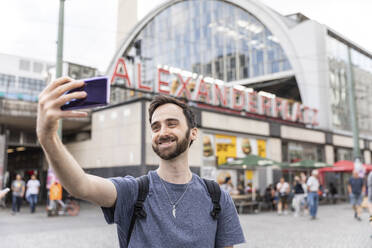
<point>175,203</point>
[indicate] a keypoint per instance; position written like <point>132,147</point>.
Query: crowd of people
<point>302,196</point>
<point>20,190</point>
<point>30,192</point>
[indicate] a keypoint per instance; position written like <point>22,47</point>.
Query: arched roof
<point>263,13</point>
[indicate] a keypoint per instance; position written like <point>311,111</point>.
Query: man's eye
<point>172,124</point>
<point>155,128</point>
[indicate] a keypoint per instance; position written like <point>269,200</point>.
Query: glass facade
<point>210,38</point>
<point>22,88</point>
<point>338,70</point>
<point>343,154</point>
<point>295,151</point>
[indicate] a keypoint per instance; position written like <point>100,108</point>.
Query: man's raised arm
<point>95,189</point>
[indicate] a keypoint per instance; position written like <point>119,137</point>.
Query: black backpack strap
<point>139,212</point>
<point>215,193</point>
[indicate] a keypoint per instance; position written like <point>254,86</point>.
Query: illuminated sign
<point>194,87</point>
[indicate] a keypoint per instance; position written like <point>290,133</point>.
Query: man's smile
<point>166,142</point>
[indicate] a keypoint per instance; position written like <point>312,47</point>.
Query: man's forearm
<point>66,168</point>
<point>95,189</point>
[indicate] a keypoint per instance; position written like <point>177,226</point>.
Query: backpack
<point>143,190</point>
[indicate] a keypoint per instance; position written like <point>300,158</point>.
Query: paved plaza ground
<point>335,227</point>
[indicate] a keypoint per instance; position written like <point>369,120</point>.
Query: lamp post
<point>59,61</point>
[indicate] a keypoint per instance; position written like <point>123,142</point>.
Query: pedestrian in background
<point>283,190</point>
<point>270,197</point>
<point>18,191</point>
<point>333,192</point>
<point>312,196</point>
<point>55,196</point>
<point>227,185</point>
<point>299,195</point>
<point>304,186</point>
<point>356,190</point>
<point>32,192</point>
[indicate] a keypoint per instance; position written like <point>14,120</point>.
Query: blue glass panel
<point>211,37</point>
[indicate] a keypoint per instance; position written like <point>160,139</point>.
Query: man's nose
<point>164,130</point>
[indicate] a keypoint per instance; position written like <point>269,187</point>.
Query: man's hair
<point>160,100</point>
<point>163,99</point>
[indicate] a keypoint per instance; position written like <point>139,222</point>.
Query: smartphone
<point>98,94</point>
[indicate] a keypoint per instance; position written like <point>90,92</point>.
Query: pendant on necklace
<point>174,211</point>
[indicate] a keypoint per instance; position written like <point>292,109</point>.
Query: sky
<point>29,27</point>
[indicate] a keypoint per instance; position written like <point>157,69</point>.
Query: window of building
<point>24,65</point>
<point>296,151</point>
<point>343,154</point>
<point>6,82</point>
<point>339,95</point>
<point>38,67</point>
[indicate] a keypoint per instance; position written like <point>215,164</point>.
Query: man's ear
<point>194,133</point>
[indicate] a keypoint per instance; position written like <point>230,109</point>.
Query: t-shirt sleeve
<point>126,188</point>
<point>229,230</point>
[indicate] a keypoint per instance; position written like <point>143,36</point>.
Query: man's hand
<point>49,108</point>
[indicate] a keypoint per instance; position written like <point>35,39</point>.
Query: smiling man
<point>178,205</point>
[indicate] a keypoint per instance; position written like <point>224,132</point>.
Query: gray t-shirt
<point>17,186</point>
<point>193,225</point>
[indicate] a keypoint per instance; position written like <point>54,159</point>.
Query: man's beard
<point>180,146</point>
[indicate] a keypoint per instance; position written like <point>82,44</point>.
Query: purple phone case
<point>98,94</point>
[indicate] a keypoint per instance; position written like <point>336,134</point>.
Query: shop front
<point>220,148</point>
<point>297,151</point>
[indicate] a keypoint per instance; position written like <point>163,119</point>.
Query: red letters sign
<point>218,94</point>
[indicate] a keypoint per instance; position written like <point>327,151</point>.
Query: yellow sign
<point>261,145</point>
<point>249,175</point>
<point>225,148</point>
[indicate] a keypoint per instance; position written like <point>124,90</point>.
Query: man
<point>32,192</point>
<point>18,191</point>
<point>356,190</point>
<point>283,191</point>
<point>299,195</point>
<point>178,205</point>
<point>312,196</point>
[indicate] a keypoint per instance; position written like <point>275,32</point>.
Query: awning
<point>308,164</point>
<point>249,162</point>
<point>344,166</point>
